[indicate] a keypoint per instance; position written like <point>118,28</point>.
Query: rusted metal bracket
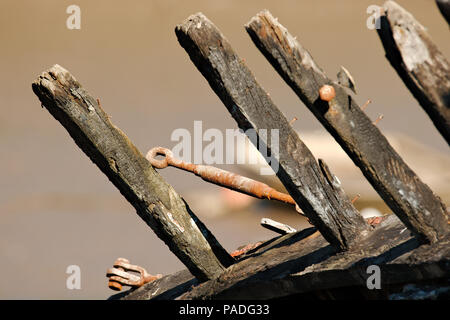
<point>120,275</point>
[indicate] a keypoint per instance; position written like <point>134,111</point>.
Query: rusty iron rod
<point>218,176</point>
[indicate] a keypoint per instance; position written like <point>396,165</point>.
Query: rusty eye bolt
<point>219,177</point>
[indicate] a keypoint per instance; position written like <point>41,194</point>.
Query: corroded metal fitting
<point>124,273</point>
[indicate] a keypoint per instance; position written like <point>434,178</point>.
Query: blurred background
<point>57,209</point>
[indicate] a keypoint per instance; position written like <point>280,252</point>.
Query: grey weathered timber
<point>444,7</point>
<point>413,201</point>
<point>303,262</point>
<point>155,201</point>
<point>418,62</point>
<point>251,107</point>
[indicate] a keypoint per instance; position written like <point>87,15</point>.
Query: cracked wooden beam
<point>155,201</point>
<point>418,62</point>
<point>303,263</point>
<point>335,217</point>
<point>409,198</point>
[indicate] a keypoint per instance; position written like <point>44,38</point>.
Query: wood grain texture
<point>252,108</point>
<point>418,62</point>
<point>303,262</point>
<point>155,201</point>
<point>409,198</point>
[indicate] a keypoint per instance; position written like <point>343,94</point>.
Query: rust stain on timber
<point>262,32</point>
<point>332,111</point>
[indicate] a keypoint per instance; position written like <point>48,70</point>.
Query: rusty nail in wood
<point>327,93</point>
<point>356,198</point>
<point>364,106</point>
<point>378,119</point>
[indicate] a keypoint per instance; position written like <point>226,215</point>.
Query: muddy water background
<point>58,209</point>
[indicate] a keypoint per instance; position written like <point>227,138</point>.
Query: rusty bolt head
<point>327,93</point>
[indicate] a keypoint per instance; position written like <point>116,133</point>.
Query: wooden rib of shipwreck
<point>155,201</point>
<point>418,62</point>
<point>304,263</point>
<point>331,212</point>
<point>409,198</point>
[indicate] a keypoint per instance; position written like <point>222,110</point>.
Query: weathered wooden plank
<point>252,108</point>
<point>413,201</point>
<point>418,62</point>
<point>155,201</point>
<point>276,226</point>
<point>299,264</point>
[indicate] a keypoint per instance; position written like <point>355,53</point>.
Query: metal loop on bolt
<point>159,163</point>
